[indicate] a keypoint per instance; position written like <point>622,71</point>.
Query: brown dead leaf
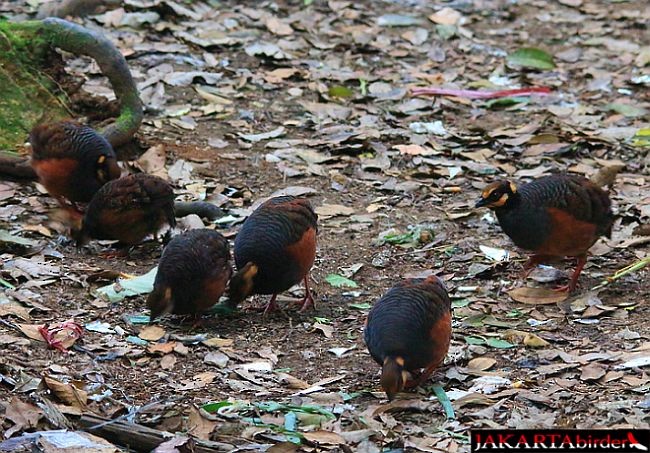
<point>31,331</point>
<point>10,339</point>
<point>198,426</point>
<point>67,393</point>
<point>279,75</point>
<point>537,296</point>
<point>333,210</point>
<point>14,309</point>
<point>178,444</point>
<point>284,447</point>
<point>218,342</point>
<point>293,382</point>
<point>592,372</point>
<point>325,328</point>
<point>535,341</point>
<point>167,362</point>
<point>153,161</point>
<point>152,333</point>
<point>161,348</point>
<point>324,437</point>
<point>23,415</point>
<point>446,16</point>
<point>481,363</point>
<point>415,150</point>
<point>278,27</point>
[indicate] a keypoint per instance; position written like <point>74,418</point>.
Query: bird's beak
<point>480,203</point>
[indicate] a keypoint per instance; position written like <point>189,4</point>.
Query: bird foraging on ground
<point>275,249</point>
<point>72,161</point>
<point>192,274</point>
<point>407,330</point>
<point>127,209</point>
<point>553,217</point>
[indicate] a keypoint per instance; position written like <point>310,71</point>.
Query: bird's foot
<point>113,254</point>
<point>306,302</point>
<point>564,288</point>
<point>271,306</point>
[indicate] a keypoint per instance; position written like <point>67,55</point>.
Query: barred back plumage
<point>130,208</point>
<point>275,249</point>
<point>401,323</point>
<point>192,273</point>
<point>72,160</point>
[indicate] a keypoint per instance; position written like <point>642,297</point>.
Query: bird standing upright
<point>128,209</point>
<point>409,329</point>
<point>554,217</point>
<point>275,249</point>
<point>192,274</point>
<point>72,161</point>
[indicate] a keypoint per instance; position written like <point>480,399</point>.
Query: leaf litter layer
<point>314,98</point>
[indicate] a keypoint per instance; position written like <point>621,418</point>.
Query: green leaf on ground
<point>531,57</point>
<point>339,281</point>
<point>124,288</point>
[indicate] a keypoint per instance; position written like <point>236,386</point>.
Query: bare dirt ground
<point>334,77</point>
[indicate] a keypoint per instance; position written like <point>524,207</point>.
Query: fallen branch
<point>476,94</point>
<point>16,166</point>
<point>138,437</point>
<point>72,8</point>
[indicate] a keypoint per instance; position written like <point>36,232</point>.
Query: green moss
<point>26,92</point>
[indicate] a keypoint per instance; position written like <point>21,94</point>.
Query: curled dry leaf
<point>67,393</point>
<point>23,415</point>
<point>537,296</point>
<point>481,363</point>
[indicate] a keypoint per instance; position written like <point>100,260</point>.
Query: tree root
<point>72,8</point>
<point>201,208</point>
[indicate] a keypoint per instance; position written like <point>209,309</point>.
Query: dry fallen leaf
<point>167,362</point>
<point>332,210</point>
<point>278,27</point>
<point>592,372</point>
<point>67,393</point>
<point>161,348</point>
<point>153,161</point>
<point>324,437</point>
<point>446,16</point>
<point>23,415</point>
<point>152,333</point>
<point>481,363</point>
<point>535,341</point>
<point>537,296</point>
<point>198,426</point>
<point>218,342</point>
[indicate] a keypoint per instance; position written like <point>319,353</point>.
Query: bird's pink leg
<point>532,262</point>
<point>582,260</point>
<point>308,300</point>
<point>271,306</point>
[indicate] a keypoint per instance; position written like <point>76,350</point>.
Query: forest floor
<point>245,99</point>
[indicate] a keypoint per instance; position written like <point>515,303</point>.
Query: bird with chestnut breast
<point>408,330</point>
<point>72,161</point>
<point>274,250</point>
<point>192,274</point>
<point>127,210</point>
<point>553,217</point>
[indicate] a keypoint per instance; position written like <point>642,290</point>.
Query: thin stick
<point>637,265</point>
